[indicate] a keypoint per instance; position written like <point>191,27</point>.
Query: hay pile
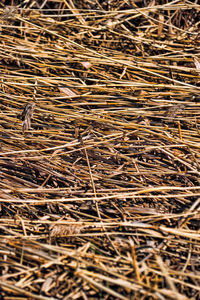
<point>99,178</point>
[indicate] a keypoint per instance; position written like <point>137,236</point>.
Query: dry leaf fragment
<point>86,64</point>
<point>47,285</point>
<point>27,115</point>
<point>67,91</point>
<point>197,65</point>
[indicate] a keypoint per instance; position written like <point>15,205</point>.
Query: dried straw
<point>99,189</point>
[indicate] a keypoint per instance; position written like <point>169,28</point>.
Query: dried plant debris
<point>187,17</point>
<point>27,114</point>
<point>9,12</point>
<point>102,200</point>
<point>59,230</point>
